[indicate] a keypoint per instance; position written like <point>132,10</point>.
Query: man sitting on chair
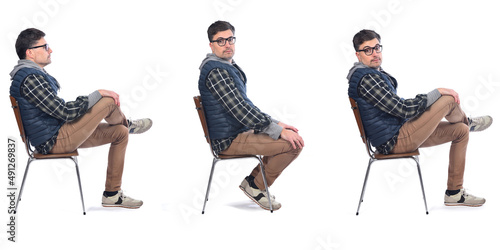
<point>53,125</point>
<point>397,125</point>
<point>235,124</point>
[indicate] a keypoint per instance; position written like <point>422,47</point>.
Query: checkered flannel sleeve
<point>37,91</point>
<point>224,90</point>
<point>375,91</point>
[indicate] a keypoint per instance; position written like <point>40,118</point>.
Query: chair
<point>220,157</point>
<point>375,156</point>
<point>33,155</point>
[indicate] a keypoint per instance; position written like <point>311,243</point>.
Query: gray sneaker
<point>258,196</point>
<point>480,123</point>
<point>120,200</point>
<point>463,199</point>
<point>139,126</point>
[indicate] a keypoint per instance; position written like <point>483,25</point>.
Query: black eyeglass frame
<point>46,47</point>
<point>369,50</point>
<point>222,41</point>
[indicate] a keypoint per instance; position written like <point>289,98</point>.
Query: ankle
<point>109,194</point>
<point>452,192</point>
<point>251,182</point>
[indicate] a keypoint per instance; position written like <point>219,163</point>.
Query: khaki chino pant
<point>88,131</point>
<point>278,154</point>
<point>429,130</point>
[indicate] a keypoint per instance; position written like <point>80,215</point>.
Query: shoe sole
<point>462,204</point>
<point>139,131</point>
<point>256,202</point>
<point>129,207</point>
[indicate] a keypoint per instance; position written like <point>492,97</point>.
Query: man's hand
<point>286,126</point>
<point>112,94</point>
<point>450,92</point>
<point>290,134</point>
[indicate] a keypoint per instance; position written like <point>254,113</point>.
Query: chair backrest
<point>17,114</point>
<point>357,115</point>
<point>201,113</point>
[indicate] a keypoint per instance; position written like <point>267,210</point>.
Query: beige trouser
<point>278,154</point>
<point>429,130</point>
<point>88,131</point>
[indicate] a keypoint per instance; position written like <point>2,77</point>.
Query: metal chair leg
<point>262,170</point>
<point>209,183</point>
<point>421,183</point>
<point>22,184</point>
<point>364,184</point>
<point>415,158</point>
<point>75,160</point>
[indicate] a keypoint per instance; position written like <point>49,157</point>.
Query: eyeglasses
<point>369,50</point>
<point>222,41</point>
<point>45,46</point>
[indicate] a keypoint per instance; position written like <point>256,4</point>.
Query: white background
<point>296,55</point>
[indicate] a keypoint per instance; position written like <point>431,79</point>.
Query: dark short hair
<point>27,39</point>
<point>218,27</point>
<point>363,36</point>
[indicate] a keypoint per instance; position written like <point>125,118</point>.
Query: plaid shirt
<point>36,90</point>
<point>376,92</point>
<point>222,87</point>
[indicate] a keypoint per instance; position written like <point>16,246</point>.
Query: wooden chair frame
<point>375,156</point>
<point>220,157</point>
<point>33,155</point>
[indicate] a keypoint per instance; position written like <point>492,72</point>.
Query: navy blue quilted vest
<point>380,127</point>
<point>39,126</point>
<point>221,124</point>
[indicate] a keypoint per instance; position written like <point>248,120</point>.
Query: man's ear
<point>29,53</point>
<point>210,44</point>
<point>357,55</point>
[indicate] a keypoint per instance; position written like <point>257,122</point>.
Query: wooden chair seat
<point>53,156</point>
<point>221,156</point>
<point>379,156</point>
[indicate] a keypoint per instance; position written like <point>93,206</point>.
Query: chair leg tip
<point>357,213</point>
<point>84,213</point>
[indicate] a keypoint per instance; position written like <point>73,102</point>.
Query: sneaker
<point>120,200</point>
<point>258,196</point>
<point>463,199</point>
<point>139,126</point>
<point>480,123</point>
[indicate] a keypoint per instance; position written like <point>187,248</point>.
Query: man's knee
<point>120,133</point>
<point>449,100</point>
<point>297,151</point>
<point>462,131</point>
<point>105,103</point>
<point>289,149</point>
<point>107,100</point>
